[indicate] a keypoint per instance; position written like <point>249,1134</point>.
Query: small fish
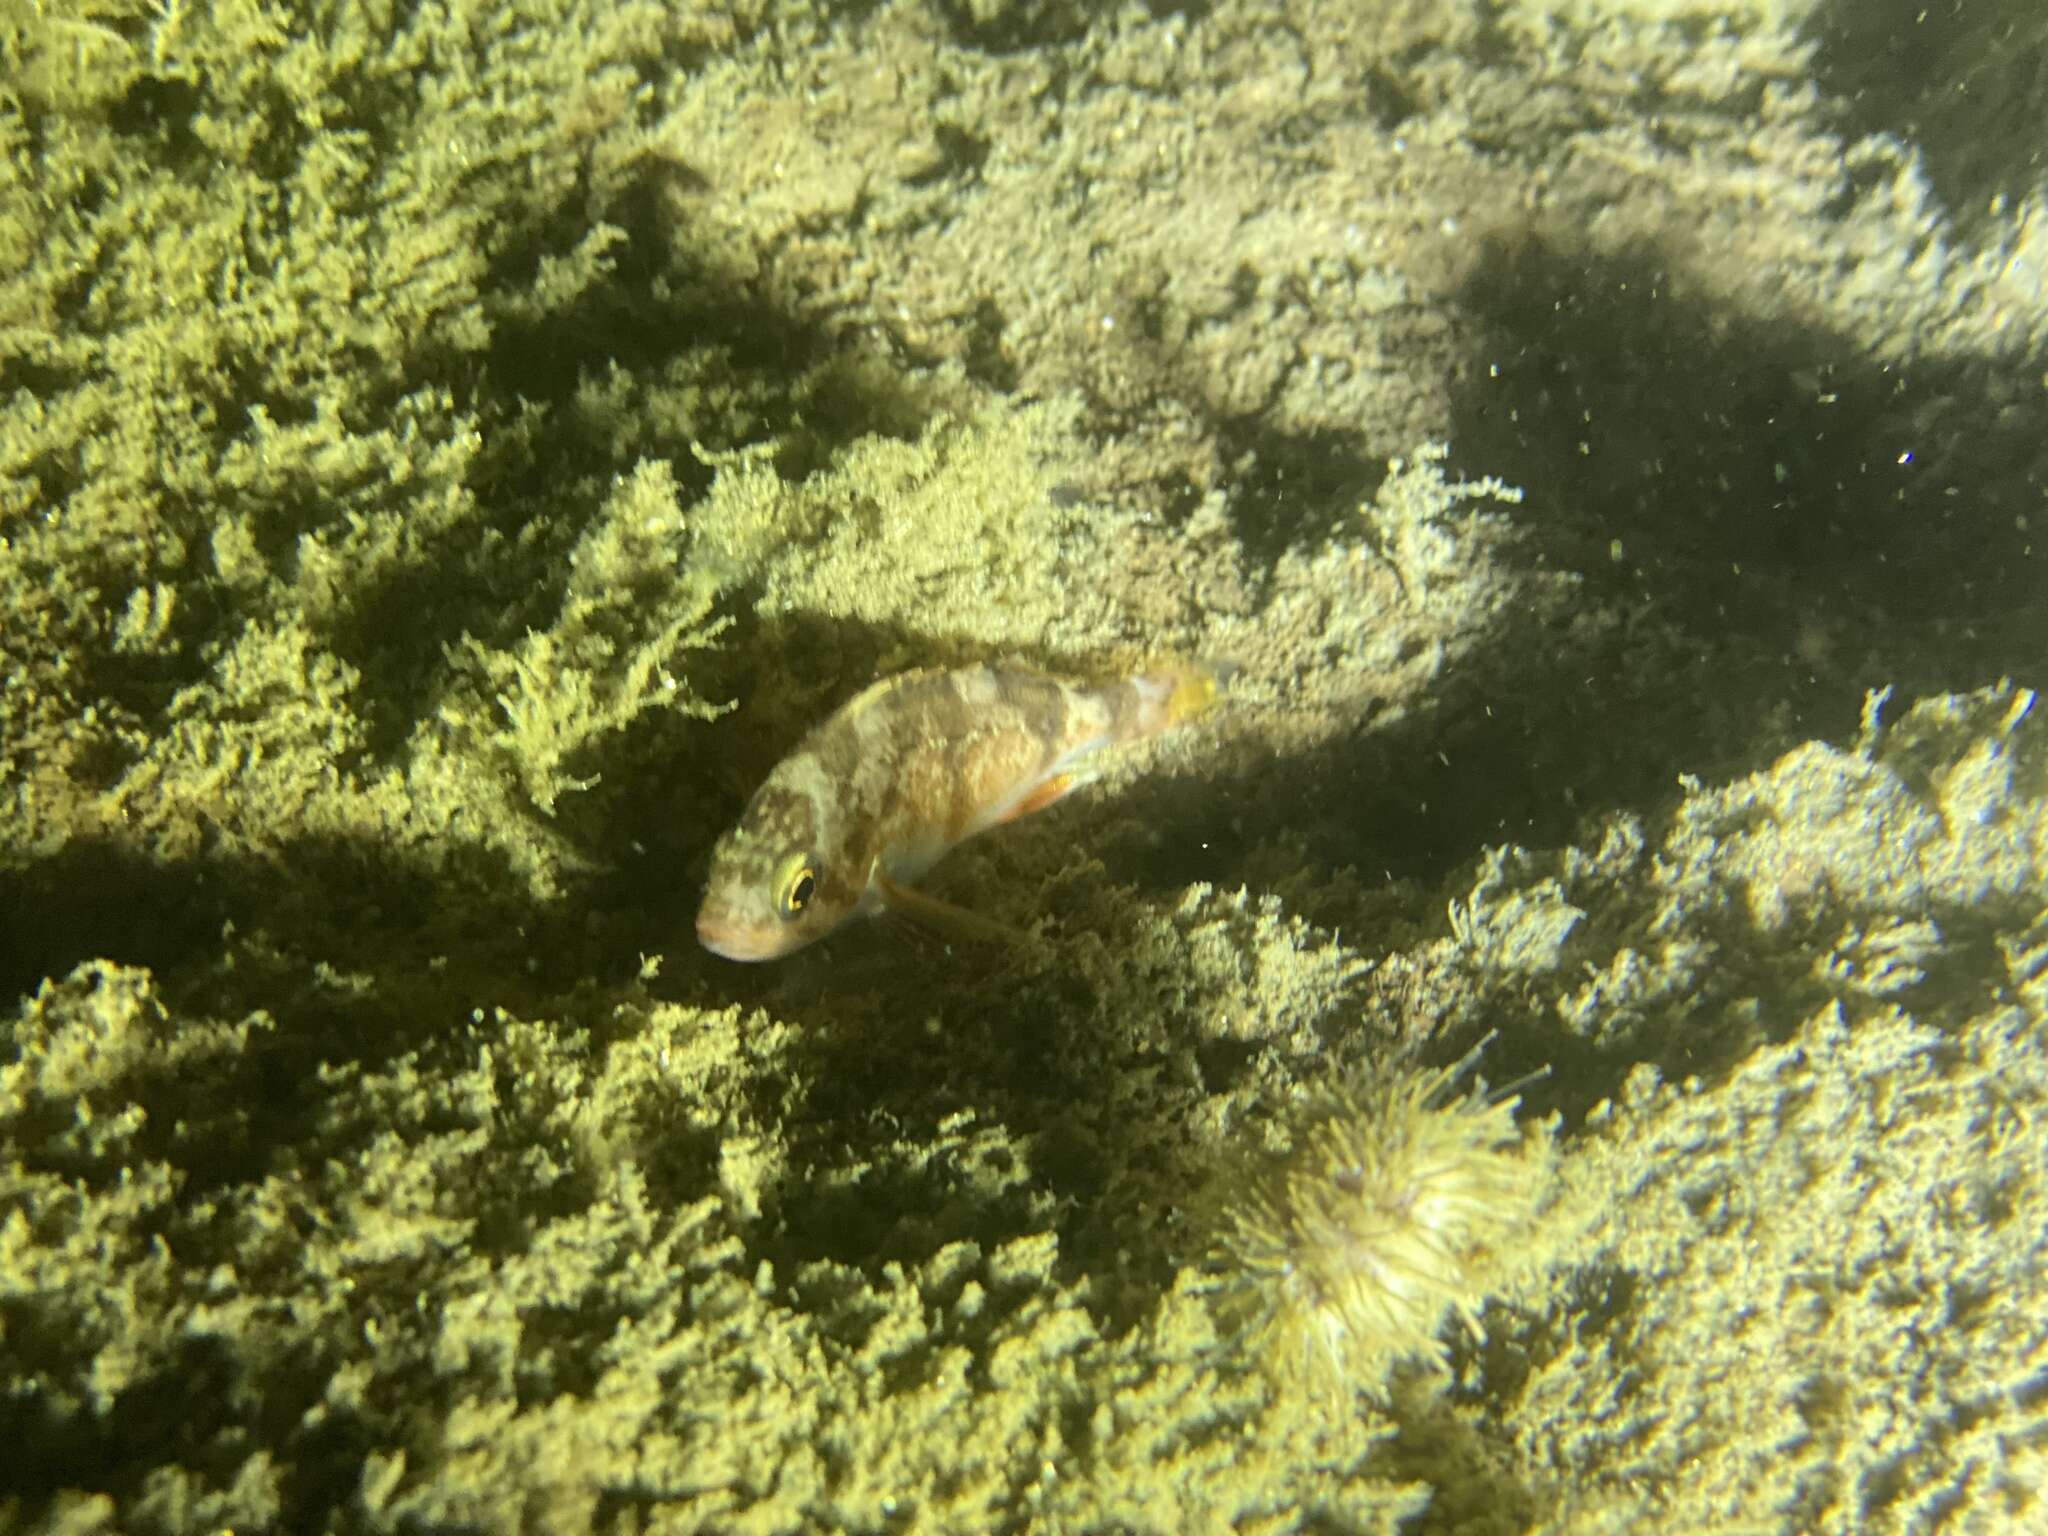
<point>915,764</point>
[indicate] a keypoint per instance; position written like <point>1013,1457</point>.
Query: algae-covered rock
<point>448,454</point>
<point>1803,1293</point>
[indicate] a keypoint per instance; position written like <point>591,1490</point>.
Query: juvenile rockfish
<point>877,794</point>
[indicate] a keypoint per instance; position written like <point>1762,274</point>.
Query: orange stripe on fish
<point>917,763</point>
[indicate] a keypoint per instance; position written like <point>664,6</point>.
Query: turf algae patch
<point>924,532</point>
<point>117,1263</point>
<point>1819,1285</point>
<point>566,1273</point>
<point>631,609</point>
<point>1879,869</point>
<point>354,369</point>
<point>1949,85</point>
<point>1798,1266</point>
<point>303,587</point>
<point>517,1280</point>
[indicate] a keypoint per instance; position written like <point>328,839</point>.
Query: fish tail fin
<point>1178,692</point>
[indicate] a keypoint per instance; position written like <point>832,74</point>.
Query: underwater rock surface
<point>448,455</point>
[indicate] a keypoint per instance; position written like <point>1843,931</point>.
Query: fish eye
<point>795,884</point>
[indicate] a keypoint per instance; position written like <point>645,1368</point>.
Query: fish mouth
<point>734,941</point>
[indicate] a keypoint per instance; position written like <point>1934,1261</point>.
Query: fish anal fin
<point>1051,790</point>
<point>942,917</point>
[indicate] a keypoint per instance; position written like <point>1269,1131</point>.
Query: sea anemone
<point>1398,1208</point>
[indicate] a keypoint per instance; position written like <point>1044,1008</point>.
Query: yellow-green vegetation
<point>449,452</point>
<point>529,1276</point>
<point>293,547</point>
<point>668,1262</point>
<point>632,606</point>
<point>1807,1238</point>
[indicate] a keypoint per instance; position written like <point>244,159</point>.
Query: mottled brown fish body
<point>910,767</point>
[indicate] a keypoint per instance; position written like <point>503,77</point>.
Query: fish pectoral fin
<point>942,917</point>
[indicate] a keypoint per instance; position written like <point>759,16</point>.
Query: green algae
<point>415,427</point>
<point>530,1273</point>
<point>519,1290</point>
